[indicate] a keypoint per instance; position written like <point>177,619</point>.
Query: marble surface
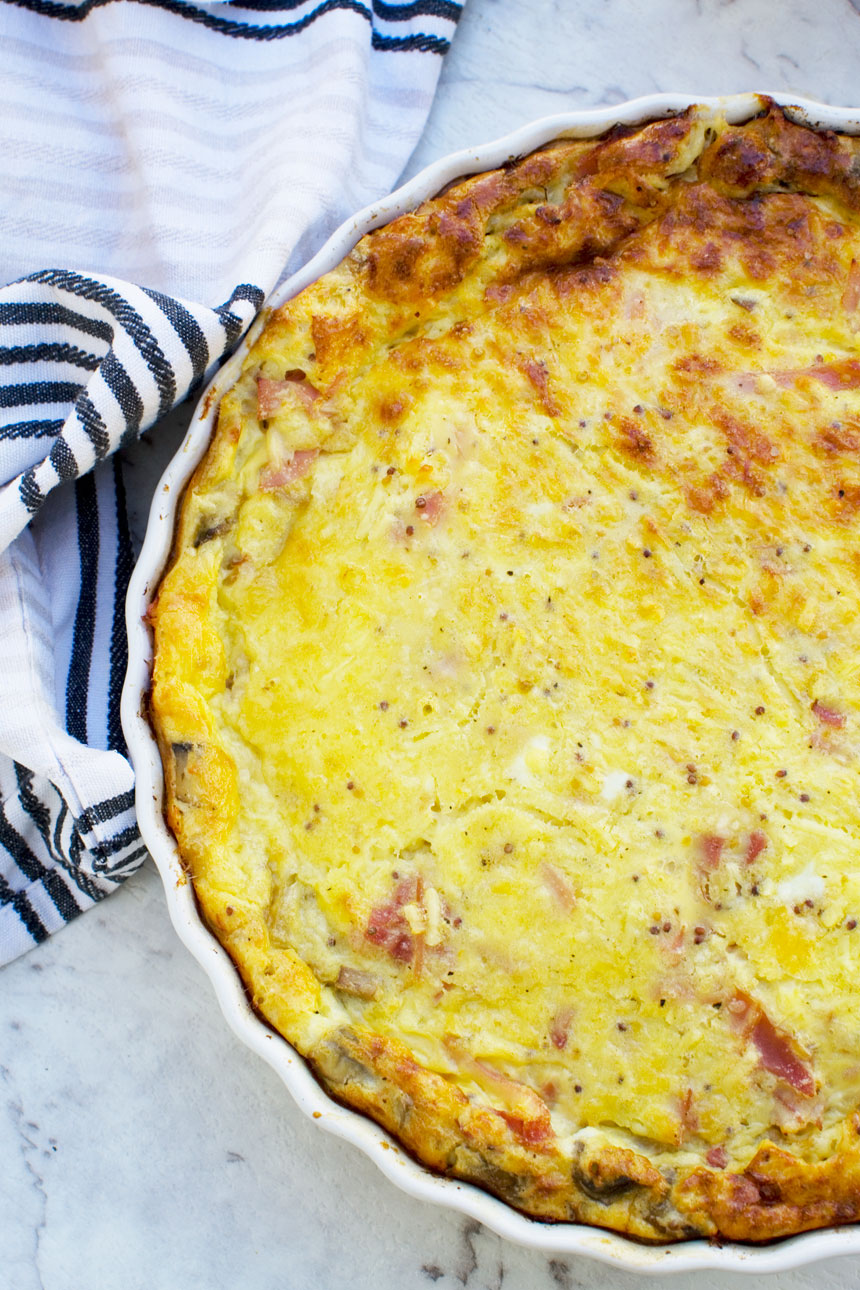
<point>140,1144</point>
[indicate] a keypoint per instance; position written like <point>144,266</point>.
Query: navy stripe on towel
<point>77,684</point>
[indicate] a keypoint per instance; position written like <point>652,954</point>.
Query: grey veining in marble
<point>141,1146</point>
<point>513,62</point>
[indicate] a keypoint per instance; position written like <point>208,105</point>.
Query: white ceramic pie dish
<point>566,1239</point>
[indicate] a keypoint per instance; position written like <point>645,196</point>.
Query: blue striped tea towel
<point>201,152</point>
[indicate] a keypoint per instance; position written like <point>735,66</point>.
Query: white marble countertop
<point>140,1144</point>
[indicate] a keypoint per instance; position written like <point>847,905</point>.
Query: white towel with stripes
<point>200,152</point>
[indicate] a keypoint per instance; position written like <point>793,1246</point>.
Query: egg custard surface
<point>507,679</point>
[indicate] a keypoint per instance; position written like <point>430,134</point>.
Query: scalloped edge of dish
<point>559,1239</point>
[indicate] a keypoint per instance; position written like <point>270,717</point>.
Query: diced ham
<point>411,924</point>
<point>273,395</point>
<point>498,294</point>
<point>778,1052</point>
<point>709,853</point>
<point>558,886</point>
<point>430,507</point>
<point>535,1132</point>
<point>828,716</point>
<point>559,1029</point>
<point>710,850</point>
<point>537,373</point>
<point>287,472</point>
<point>717,1157</point>
<point>675,948</point>
<point>388,926</point>
<point>841,375</point>
<point>687,1113</point>
<point>851,294</point>
<point>524,1111</point>
<point>755,846</point>
<point>549,1092</point>
<point>778,1056</point>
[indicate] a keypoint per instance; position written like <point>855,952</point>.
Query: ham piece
<point>287,472</point>
<point>778,1051</point>
<point>273,395</point>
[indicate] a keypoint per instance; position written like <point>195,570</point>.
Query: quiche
<point>507,679</point>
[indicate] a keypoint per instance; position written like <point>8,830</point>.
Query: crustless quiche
<point>507,679</point>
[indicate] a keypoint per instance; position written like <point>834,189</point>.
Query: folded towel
<point>202,152</point>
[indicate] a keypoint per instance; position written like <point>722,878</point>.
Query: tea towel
<point>165,164</point>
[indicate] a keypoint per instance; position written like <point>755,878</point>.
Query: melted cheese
<point>539,681</point>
